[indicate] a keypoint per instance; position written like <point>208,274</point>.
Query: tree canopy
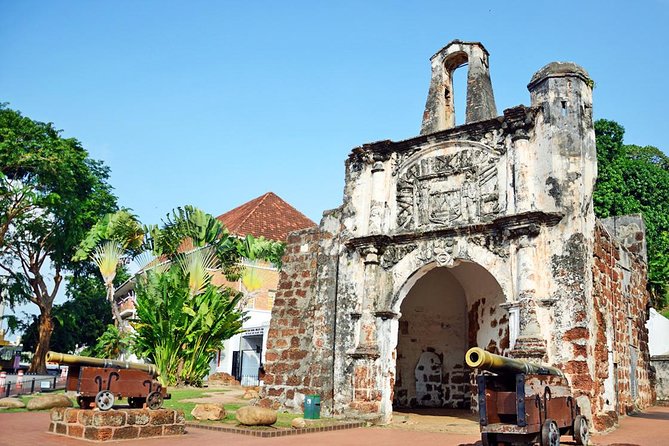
<point>634,179</point>
<point>82,318</point>
<point>51,193</point>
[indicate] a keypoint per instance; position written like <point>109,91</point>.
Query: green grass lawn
<point>179,395</point>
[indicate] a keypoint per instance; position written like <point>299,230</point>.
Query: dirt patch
<point>436,420</point>
<point>232,395</point>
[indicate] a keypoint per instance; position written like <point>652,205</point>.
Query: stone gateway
<point>481,234</point>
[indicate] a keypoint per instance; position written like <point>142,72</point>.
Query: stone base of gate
<point>122,424</point>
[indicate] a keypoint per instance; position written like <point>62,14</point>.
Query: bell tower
<point>440,109</point>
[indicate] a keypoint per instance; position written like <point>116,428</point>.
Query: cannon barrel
<point>64,358</point>
<point>477,358</point>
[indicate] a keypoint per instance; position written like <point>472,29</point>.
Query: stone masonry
<point>121,424</point>
<point>481,234</point>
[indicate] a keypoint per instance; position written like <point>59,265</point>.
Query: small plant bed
<point>279,429</point>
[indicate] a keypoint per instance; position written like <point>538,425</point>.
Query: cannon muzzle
<point>64,358</point>
<point>477,358</point>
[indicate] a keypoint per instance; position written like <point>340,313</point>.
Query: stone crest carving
<point>442,251</point>
<point>447,189</point>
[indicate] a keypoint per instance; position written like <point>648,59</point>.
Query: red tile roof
<point>267,216</point>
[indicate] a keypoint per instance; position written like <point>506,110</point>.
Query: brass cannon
<point>104,381</point>
<point>522,402</point>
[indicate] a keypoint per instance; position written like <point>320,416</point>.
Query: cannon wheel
<point>84,402</point>
<point>154,400</point>
<point>488,440</point>
<point>104,400</point>
<point>550,434</point>
<point>136,402</point>
<point>581,432</point>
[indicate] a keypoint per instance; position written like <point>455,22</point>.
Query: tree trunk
<point>38,364</point>
<point>114,307</point>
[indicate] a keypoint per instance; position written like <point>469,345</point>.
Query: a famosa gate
<point>481,234</point>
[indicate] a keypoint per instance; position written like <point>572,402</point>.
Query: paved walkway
<point>646,429</point>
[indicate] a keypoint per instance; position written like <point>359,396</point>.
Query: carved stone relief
<point>442,251</point>
<point>394,253</point>
<point>495,139</point>
<point>448,189</point>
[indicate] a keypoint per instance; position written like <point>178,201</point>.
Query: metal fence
<point>249,380</point>
<point>31,385</point>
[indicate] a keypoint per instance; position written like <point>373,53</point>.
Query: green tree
<point>182,318</point>
<point>51,193</point>
<point>180,330</point>
<point>82,318</point>
<point>113,237</point>
<point>112,343</point>
<point>634,179</point>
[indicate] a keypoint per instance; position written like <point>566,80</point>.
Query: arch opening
<point>445,311</point>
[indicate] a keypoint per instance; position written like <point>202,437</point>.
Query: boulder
<point>12,403</point>
<point>298,423</point>
<point>208,411</point>
<point>49,401</point>
<point>222,379</point>
<point>256,416</point>
<point>250,393</point>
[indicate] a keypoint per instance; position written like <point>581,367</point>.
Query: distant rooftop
<point>266,216</point>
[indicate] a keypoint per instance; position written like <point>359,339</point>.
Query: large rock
<point>12,403</point>
<point>256,416</point>
<point>298,423</point>
<point>251,393</point>
<point>208,412</point>
<point>222,379</point>
<point>49,401</point>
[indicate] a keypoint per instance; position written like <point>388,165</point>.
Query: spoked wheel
<point>104,400</point>
<point>581,431</point>
<point>154,400</point>
<point>550,434</point>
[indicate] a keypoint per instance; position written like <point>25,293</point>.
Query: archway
<point>444,311</point>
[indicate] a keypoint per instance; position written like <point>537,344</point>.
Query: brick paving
<point>645,429</point>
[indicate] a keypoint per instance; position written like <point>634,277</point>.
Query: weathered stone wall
<point>617,346</point>
<point>299,357</point>
<point>661,365</point>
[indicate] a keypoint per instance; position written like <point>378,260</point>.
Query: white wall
<point>658,333</point>
<point>257,319</point>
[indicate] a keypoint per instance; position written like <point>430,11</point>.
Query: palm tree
<point>114,237</point>
<point>106,257</point>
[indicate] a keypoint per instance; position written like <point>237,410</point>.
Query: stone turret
<point>440,108</point>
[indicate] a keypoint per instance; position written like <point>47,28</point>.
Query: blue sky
<point>214,103</point>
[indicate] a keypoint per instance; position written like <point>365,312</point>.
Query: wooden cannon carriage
<point>524,403</point>
<point>104,381</point>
